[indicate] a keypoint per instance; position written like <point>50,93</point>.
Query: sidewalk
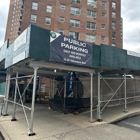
<point>51,125</point>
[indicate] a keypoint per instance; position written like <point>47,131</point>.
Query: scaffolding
<point>122,93</point>
<point>36,66</point>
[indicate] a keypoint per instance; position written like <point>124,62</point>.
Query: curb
<point>125,117</point>
<point>4,134</point>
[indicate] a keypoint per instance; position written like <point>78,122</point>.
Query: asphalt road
<point>1,137</point>
<point>101,132</point>
<point>132,123</point>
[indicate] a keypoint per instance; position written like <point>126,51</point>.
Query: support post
<point>14,107</point>
<point>53,86</point>
<point>91,98</point>
<point>50,90</point>
<point>50,102</point>
<point>30,132</point>
<point>50,94</point>
<point>99,100</point>
<point>64,109</point>
<point>125,108</point>
<point>7,93</point>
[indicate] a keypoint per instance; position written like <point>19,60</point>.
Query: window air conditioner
<point>72,13</point>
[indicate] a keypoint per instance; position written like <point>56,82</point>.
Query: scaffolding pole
<point>50,89</point>
<point>30,132</point>
<point>65,96</point>
<point>15,96</point>
<point>99,99</point>
<point>125,108</point>
<point>53,86</point>
<point>7,93</point>
<point>91,98</point>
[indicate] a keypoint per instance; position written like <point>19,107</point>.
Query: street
<point>131,123</point>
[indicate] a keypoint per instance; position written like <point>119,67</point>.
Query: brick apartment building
<point>97,21</point>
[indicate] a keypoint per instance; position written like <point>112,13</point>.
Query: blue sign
<point>69,50</point>
<point>37,83</point>
<point>70,84</point>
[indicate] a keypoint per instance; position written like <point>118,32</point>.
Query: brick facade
<point>20,13</point>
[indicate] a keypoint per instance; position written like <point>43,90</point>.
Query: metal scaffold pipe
<point>30,132</point>
<point>91,98</point>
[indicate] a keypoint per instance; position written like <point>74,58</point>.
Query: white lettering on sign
<point>75,42</point>
<point>19,57</point>
<point>71,47</point>
<point>70,50</point>
<point>133,53</point>
<point>21,40</point>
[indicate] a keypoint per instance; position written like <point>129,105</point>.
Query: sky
<point>130,12</point>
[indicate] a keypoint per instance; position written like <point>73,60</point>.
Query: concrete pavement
<point>52,125</point>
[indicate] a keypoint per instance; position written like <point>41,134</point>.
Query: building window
<point>113,15</point>
<point>62,7</point>
<point>92,3</point>
<point>114,25</point>
<point>75,11</point>
<point>113,35</point>
<point>77,1</point>
<point>61,32</point>
<point>103,15</point>
<point>114,5</point>
<point>48,20</point>
<point>91,14</point>
<point>74,35</point>
<point>62,19</point>
<point>33,18</point>
<point>103,38</point>
<point>34,5</point>
<point>49,8</point>
<point>91,25</point>
<point>113,44</point>
<point>103,26</point>
<point>103,3</point>
<point>74,23</point>
<point>90,38</point>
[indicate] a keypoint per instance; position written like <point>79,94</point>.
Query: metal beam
<point>30,132</point>
<point>125,108</point>
<point>7,93</point>
<point>46,72</point>
<point>60,67</point>
<point>65,95</point>
<point>15,96</point>
<point>91,98</point>
<point>99,100</point>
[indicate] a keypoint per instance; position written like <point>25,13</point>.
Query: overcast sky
<point>131,23</point>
